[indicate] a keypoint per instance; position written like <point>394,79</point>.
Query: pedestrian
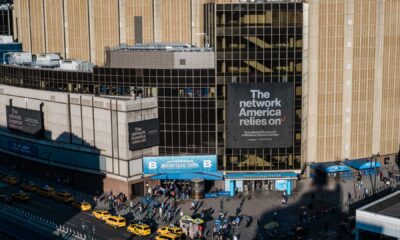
<point>141,209</point>
<point>275,216</point>
<point>160,211</point>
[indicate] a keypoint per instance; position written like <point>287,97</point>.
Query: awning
<point>188,176</point>
<point>330,167</point>
<point>362,164</point>
<point>261,175</point>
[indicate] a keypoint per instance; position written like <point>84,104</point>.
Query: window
<point>182,62</point>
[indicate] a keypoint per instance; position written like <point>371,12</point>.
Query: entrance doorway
<point>137,189</point>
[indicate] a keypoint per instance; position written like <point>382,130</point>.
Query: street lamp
<point>48,154</point>
<point>374,158</point>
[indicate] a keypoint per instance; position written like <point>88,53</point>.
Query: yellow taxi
<point>45,191</point>
<point>116,221</point>
<point>20,196</point>
<point>10,180</point>
<point>63,197</point>
<point>139,229</point>
<point>170,229</point>
<point>28,186</point>
<point>101,214</point>
<point>83,206</point>
<point>168,236</point>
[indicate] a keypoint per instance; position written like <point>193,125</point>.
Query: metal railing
<point>59,230</point>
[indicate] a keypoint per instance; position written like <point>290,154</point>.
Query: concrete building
<point>379,219</point>
<point>351,93</point>
<point>80,132</point>
<point>340,55</point>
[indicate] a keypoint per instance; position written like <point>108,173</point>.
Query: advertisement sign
<point>280,185</point>
<point>24,120</point>
<point>260,115</point>
<point>179,164</point>
<point>144,134</point>
<point>22,148</point>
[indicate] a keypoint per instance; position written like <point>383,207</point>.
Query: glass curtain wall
<point>257,43</point>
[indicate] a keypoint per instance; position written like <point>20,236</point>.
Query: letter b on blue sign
<point>152,165</point>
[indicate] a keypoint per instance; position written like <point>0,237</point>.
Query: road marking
<point>42,205</point>
<point>30,209</point>
<point>84,220</point>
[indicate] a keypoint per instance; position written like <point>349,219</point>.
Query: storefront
<point>182,168</point>
<point>334,169</point>
<point>363,166</point>
<point>260,181</point>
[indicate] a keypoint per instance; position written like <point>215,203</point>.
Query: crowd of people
<point>170,190</point>
<point>116,202</point>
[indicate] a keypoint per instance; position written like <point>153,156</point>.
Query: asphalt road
<point>65,214</point>
<point>20,231</point>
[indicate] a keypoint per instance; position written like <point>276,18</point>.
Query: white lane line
<point>84,220</point>
<point>42,205</point>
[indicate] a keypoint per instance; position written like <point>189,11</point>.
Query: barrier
<point>217,194</point>
<point>39,221</point>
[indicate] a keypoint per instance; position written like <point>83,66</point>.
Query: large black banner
<point>25,120</point>
<point>144,134</point>
<point>260,115</point>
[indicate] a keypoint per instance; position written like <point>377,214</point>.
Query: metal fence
<point>59,230</point>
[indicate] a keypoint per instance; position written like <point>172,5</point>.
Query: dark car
<point>5,199</point>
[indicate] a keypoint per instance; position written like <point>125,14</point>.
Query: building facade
<point>81,132</point>
<point>6,18</point>
<point>336,59</point>
<point>258,44</point>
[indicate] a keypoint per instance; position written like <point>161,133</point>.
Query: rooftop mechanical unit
<point>20,58</point>
<point>76,65</point>
<point>46,60</point>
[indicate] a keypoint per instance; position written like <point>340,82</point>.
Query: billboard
<point>179,164</point>
<point>24,120</point>
<point>260,115</point>
<point>144,134</point>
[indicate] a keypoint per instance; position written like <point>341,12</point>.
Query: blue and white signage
<point>22,148</point>
<point>179,164</point>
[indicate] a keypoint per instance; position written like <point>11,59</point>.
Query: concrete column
<point>157,20</point>
<point>92,42</point>
<point>65,12</point>
<point>311,86</point>
<point>347,78</point>
<point>122,23</point>
<point>376,124</point>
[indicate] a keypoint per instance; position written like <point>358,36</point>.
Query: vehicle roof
<point>169,234</point>
<point>117,217</point>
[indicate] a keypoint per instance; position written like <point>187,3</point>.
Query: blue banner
<point>23,148</point>
<point>179,164</point>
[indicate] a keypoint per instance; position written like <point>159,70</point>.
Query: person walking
<point>160,211</point>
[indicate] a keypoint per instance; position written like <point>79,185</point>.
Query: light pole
<point>48,154</point>
<point>376,158</point>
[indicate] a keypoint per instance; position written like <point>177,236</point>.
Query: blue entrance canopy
<point>330,167</point>
<point>362,164</point>
<point>253,175</point>
<point>188,176</point>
